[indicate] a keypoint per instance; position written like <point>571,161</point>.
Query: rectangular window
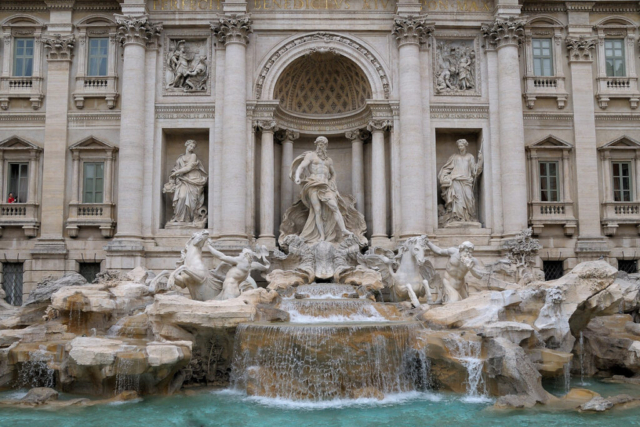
<point>93,182</point>
<point>552,270</point>
<point>628,265</point>
<point>614,57</point>
<point>542,57</point>
<point>12,282</point>
<point>23,57</point>
<point>549,182</point>
<point>18,181</point>
<point>621,181</point>
<point>98,57</point>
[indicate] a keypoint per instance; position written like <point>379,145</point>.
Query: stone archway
<point>322,42</point>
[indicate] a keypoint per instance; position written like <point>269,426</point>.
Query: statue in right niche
<point>457,179</point>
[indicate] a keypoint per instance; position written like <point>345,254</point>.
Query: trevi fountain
<point>312,213</point>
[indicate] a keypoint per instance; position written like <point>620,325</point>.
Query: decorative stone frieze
<point>411,29</point>
<point>136,29</point>
<point>232,29</point>
<point>503,32</point>
<point>186,66</point>
<point>580,48</point>
<point>59,48</point>
<point>455,68</point>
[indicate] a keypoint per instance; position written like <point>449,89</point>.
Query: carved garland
<point>327,37</point>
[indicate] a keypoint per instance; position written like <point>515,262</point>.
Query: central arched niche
<point>322,83</point>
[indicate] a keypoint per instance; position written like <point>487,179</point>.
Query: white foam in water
<point>367,314</point>
<point>324,291</point>
<point>282,403</point>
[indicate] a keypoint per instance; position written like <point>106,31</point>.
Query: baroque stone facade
<point>98,99</point>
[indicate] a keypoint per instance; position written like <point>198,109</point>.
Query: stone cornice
<point>59,48</point>
<point>60,4</point>
<point>136,29</point>
<point>184,111</point>
<point>580,49</point>
<point>580,6</point>
<point>459,112</point>
<point>503,32</point>
<point>411,30</point>
<point>232,29</point>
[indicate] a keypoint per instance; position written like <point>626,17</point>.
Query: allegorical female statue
<point>186,182</point>
<point>322,214</point>
<point>457,179</point>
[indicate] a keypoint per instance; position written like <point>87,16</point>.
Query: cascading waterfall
<point>468,353</point>
<point>567,376</point>
<point>582,360</point>
<point>333,348</point>
<point>36,372</point>
<point>127,375</point>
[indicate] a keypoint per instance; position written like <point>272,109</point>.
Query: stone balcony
<point>618,88</point>
<point>21,87</point>
<point>552,213</point>
<point>616,213</point>
<point>23,215</point>
<point>100,215</point>
<point>545,87</point>
<point>95,87</point>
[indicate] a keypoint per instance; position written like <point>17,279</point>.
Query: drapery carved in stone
<point>455,67</point>
<point>411,29</point>
<point>233,29</point>
<point>60,48</point>
<point>503,32</point>
<point>581,48</point>
<point>136,29</point>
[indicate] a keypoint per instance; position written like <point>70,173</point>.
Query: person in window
<point>11,198</point>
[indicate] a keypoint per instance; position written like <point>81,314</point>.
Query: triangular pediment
<point>18,143</point>
<point>624,142</point>
<point>92,143</point>
<point>551,141</point>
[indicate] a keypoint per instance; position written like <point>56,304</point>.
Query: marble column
<point>215,168</point>
<point>410,32</point>
<point>357,167</point>
<point>59,55</point>
<point>75,178</point>
<point>506,36</point>
<point>286,183</point>
<point>379,235</point>
<point>590,237</point>
<point>267,183</point>
<point>133,32</point>
<point>233,31</point>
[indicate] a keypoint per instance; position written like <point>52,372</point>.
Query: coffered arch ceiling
<point>322,83</point>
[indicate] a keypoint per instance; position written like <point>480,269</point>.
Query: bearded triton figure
<point>457,179</point>
<point>186,182</point>
<point>321,215</point>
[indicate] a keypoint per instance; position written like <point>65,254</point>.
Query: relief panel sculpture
<point>186,67</point>
<point>455,68</point>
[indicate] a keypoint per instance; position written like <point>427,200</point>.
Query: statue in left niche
<point>186,182</point>
<point>186,71</point>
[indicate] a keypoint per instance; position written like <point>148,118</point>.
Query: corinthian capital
<point>411,29</point>
<point>580,48</point>
<point>287,135</point>
<point>503,32</point>
<point>267,125</point>
<point>136,29</point>
<point>232,29</point>
<point>378,125</point>
<point>60,48</point>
